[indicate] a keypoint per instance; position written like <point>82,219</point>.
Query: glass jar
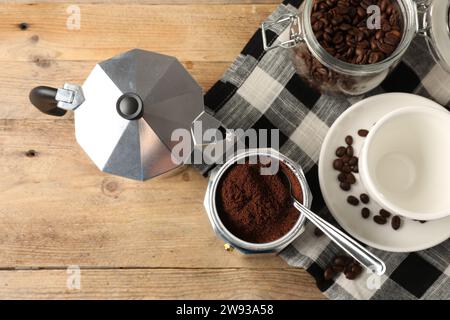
<point>328,74</point>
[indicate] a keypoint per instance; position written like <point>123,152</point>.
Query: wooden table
<point>130,239</point>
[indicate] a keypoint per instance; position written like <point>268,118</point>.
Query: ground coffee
<point>254,207</point>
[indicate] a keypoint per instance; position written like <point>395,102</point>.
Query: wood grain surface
<point>132,240</point>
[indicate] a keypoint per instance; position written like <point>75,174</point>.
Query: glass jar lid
<point>436,28</point>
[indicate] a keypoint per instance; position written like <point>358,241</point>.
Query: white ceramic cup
<point>405,163</point>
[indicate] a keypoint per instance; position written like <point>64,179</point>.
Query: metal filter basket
<point>223,233</point>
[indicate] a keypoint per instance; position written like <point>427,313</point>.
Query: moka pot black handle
<point>44,98</point>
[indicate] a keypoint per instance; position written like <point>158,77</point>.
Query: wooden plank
<point>58,209</point>
<point>161,284</point>
<point>19,77</point>
<point>189,32</point>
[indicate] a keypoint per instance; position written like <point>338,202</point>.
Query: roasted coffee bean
<point>338,164</point>
<point>345,26</point>
<point>327,38</point>
<point>363,132</point>
<point>353,161</point>
<point>361,12</point>
<point>338,268</point>
<point>351,272</point>
<point>318,232</point>
<point>340,151</point>
<point>352,200</point>
<point>385,26</point>
<point>345,186</point>
<point>328,274</point>
<point>356,268</point>
<point>359,56</point>
<point>392,38</point>
<point>342,25</point>
<point>341,260</point>
<point>319,35</point>
<point>385,48</point>
<point>317,26</point>
<point>350,178</point>
<point>389,9</point>
<point>383,5</point>
<point>375,57</point>
<point>338,38</point>
<point>379,219</point>
<point>373,44</point>
<point>378,35</point>
<point>355,168</point>
<point>384,213</point>
<point>395,34</point>
<point>346,168</point>
<point>364,198</point>
<point>341,263</point>
<point>345,158</point>
<point>349,151</point>
<point>337,20</point>
<point>349,140</point>
<point>396,222</point>
<point>364,44</point>
<point>342,177</point>
<point>365,212</point>
<point>350,275</point>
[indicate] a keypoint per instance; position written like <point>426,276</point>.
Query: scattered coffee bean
<point>349,151</point>
<point>345,186</point>
<point>346,168</point>
<point>338,164</point>
<point>342,177</point>
<point>379,219</point>
<point>318,232</point>
<point>353,161</point>
<point>329,273</point>
<point>356,268</point>
<point>350,178</point>
<point>349,140</point>
<point>396,222</point>
<point>340,151</point>
<point>365,212</point>
<point>338,269</point>
<point>364,198</point>
<point>350,275</point>
<point>345,158</point>
<point>363,132</point>
<point>353,270</point>
<point>341,260</point>
<point>353,200</point>
<point>346,164</point>
<point>384,213</point>
<point>349,266</point>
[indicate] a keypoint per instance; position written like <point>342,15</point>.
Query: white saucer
<point>412,235</point>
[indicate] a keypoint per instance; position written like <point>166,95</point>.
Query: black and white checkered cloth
<point>262,90</point>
